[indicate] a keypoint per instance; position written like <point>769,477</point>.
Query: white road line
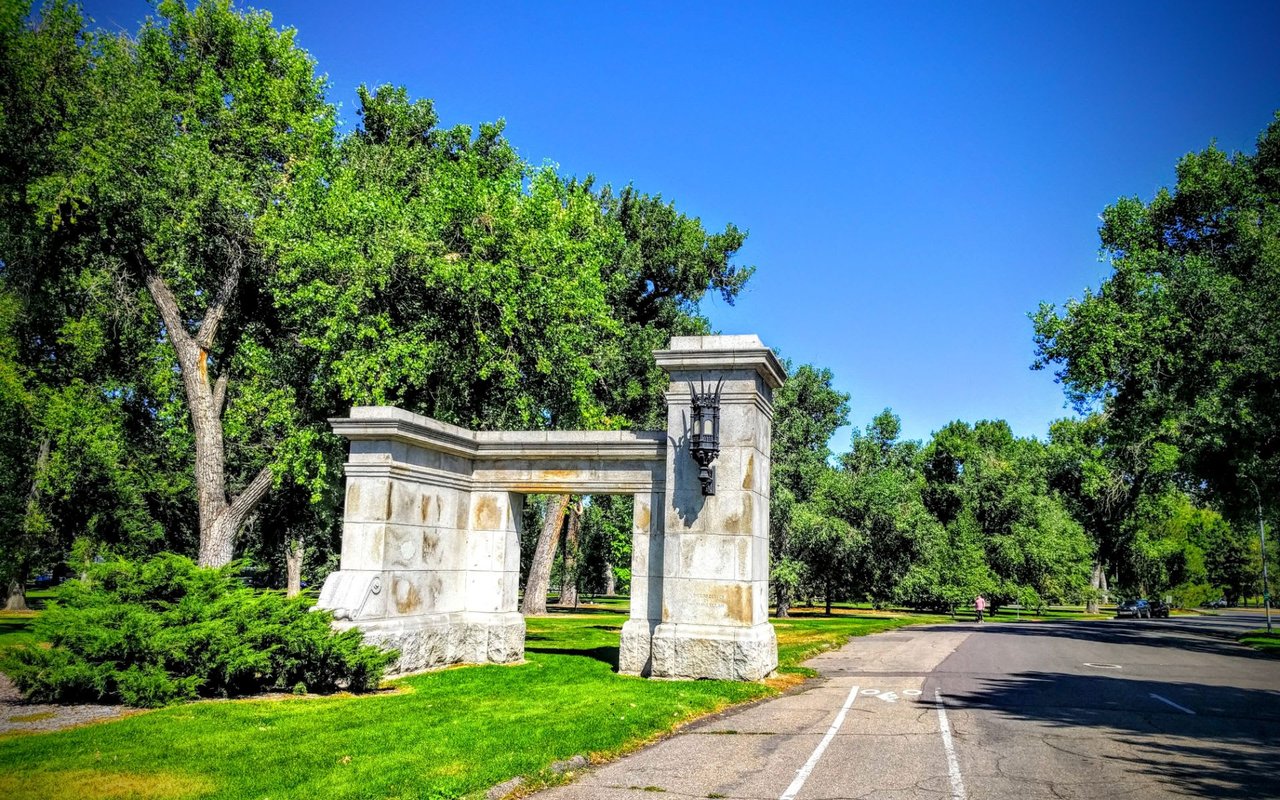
<point>953,765</point>
<point>803,774</point>
<point>1175,705</point>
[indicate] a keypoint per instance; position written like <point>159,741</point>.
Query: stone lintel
<point>705,353</point>
<point>387,423</point>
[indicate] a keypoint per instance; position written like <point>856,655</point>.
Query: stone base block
<point>636,648</point>
<point>720,652</point>
<point>427,643</point>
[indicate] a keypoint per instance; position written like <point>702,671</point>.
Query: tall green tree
<point>1097,489</point>
<point>421,272</point>
<point>982,480</point>
<point>84,394</point>
<point>880,496</point>
<point>175,144</point>
<point>1180,340</point>
<point>807,412</point>
<point>483,291</point>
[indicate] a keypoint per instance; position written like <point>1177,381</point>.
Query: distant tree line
<point>1158,487</point>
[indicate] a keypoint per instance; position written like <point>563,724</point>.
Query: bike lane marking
<point>802,774</point>
<point>953,764</point>
<point>1167,701</point>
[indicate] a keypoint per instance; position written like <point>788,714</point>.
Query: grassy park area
<point>441,735</point>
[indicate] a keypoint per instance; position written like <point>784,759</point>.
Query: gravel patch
<point>18,715</point>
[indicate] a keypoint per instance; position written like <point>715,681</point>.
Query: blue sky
<point>915,177</point>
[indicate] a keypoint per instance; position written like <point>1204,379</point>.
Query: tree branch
<point>219,394</point>
<point>169,311</point>
<point>245,502</point>
<point>218,308</point>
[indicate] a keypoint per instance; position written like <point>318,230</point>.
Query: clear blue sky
<point>915,177</point>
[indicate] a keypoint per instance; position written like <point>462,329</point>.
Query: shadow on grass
<point>16,625</point>
<point>553,611</point>
<point>1226,750</point>
<point>607,655</point>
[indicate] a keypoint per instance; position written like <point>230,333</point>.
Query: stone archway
<point>430,545</point>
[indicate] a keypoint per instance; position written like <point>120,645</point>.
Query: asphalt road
<point>1091,710</point>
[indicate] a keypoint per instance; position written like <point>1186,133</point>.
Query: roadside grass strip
<point>1268,643</point>
<point>446,734</point>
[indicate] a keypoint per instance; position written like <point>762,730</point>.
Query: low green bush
<point>164,630</point>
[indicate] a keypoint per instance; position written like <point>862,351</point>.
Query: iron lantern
<point>704,434</point>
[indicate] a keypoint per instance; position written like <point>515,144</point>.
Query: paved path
<point>16,715</point>
<point>1115,709</point>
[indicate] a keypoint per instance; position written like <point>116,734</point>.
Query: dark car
<point>1159,608</point>
<point>1138,609</point>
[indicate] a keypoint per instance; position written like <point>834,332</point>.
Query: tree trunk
<point>569,585</point>
<point>293,551</point>
<point>17,600</point>
<point>828,598</point>
<point>784,603</point>
<point>220,516</point>
<point>610,581</point>
<point>1095,583</point>
<point>535,589</point>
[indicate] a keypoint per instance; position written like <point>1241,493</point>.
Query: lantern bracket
<point>704,436</point>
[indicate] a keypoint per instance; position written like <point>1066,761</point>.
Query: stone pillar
<point>494,627</point>
<point>715,585</point>
<point>634,654</point>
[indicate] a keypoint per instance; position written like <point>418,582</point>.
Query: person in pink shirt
<point>980,605</point>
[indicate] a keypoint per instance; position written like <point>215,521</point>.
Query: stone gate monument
<point>430,543</point>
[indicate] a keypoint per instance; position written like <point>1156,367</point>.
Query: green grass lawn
<point>1268,643</point>
<point>15,626</point>
<point>440,735</point>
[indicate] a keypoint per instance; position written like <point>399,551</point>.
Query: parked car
<point>1138,609</point>
<point>1159,608</point>
<point>1221,602</point>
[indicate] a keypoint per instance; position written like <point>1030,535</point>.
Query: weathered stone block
<point>367,500</point>
<point>492,511</point>
<point>712,555</point>
<point>635,647</point>
<point>363,545</point>
<point>485,591</point>
<point>439,548</point>
<point>699,651</point>
<point>437,641</point>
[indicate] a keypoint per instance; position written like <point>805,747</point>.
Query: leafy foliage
<point>804,542</point>
<point>162,630</point>
<point>1178,344</point>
